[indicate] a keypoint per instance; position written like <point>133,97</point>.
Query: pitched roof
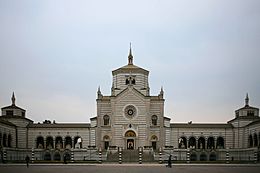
<point>130,68</point>
<point>12,107</point>
<point>7,122</point>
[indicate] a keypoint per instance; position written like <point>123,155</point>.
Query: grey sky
<point>205,54</point>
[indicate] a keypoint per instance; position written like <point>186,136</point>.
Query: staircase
<point>130,156</point>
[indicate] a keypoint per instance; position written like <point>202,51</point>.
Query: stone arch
<point>4,140</point>
<point>201,143</point>
<point>67,155</point>
<point>193,157</point>
<point>212,157</point>
<point>154,120</point>
<point>9,141</point>
<point>106,140</point>
<point>58,142</point>
<point>211,143</point>
<point>40,142</point>
<point>77,142</point>
<point>68,142</point>
<point>255,140</point>
<point>250,141</point>
<point>47,156</point>
<point>106,120</point>
<point>49,142</point>
<point>220,142</point>
<point>154,140</point>
<point>0,139</point>
<point>192,142</point>
<point>203,157</point>
<point>182,142</point>
<point>57,156</point>
<point>130,133</point>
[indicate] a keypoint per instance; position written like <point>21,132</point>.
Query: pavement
<point>130,168</point>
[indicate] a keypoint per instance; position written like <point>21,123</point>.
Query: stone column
<point>188,155</point>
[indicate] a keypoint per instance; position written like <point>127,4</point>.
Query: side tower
<point>130,117</point>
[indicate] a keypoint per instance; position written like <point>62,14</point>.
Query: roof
<point>254,122</point>
<point>245,118</point>
<point>14,117</point>
<point>60,125</point>
<point>7,122</point>
<point>130,68</point>
<point>12,107</point>
<point>247,107</point>
<point>199,125</point>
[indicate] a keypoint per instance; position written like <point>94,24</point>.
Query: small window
<point>10,113</point>
<point>127,81</point>
<point>23,114</point>
<point>154,120</point>
<point>106,120</point>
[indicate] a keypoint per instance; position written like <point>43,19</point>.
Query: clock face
<point>130,111</point>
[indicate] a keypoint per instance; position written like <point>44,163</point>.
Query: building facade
<point>129,118</point>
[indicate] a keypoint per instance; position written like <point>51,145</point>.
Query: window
<point>9,113</point>
<point>106,120</point>
<point>154,120</point>
<point>250,113</point>
<point>23,114</point>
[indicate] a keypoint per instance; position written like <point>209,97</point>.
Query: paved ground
<point>129,168</point>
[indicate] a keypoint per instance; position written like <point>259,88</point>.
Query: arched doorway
<point>67,156</point>
<point>106,141</point>
<point>250,141</point>
<point>203,157</point>
<point>130,139</point>
<point>4,140</point>
<point>212,157</point>
<point>47,156</point>
<point>255,140</point>
<point>193,157</point>
<point>154,140</point>
<point>57,156</point>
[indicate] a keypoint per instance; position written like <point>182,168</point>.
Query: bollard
<point>188,155</point>
<point>255,156</point>
<point>100,155</point>
<point>4,156</point>
<point>227,156</point>
<point>32,155</point>
<point>72,155</point>
<point>119,155</point>
<point>140,155</point>
<point>160,155</point>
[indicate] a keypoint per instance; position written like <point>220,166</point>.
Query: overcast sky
<point>54,54</point>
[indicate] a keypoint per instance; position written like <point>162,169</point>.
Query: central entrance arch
<point>130,139</point>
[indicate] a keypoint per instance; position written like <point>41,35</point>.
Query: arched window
<point>154,120</point>
<point>130,133</point>
<point>4,140</point>
<point>211,143</point>
<point>220,143</point>
<point>106,120</point>
<point>49,142</point>
<point>9,141</point>
<point>192,142</point>
<point>40,142</point>
<point>58,142</point>
<point>68,142</point>
<point>255,140</point>
<point>182,142</point>
<point>201,143</point>
<point>77,142</point>
<point>250,141</point>
<point>0,139</point>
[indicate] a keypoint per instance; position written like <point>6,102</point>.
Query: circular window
<point>130,111</point>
